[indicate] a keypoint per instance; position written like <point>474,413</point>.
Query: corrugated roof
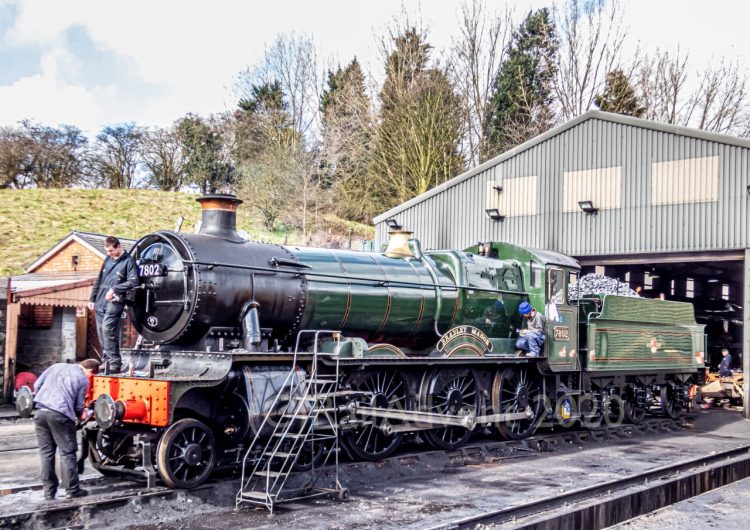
<point>56,281</point>
<point>592,114</point>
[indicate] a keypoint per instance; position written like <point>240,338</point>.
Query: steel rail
<point>529,509</point>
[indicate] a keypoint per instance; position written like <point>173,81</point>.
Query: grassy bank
<point>32,221</point>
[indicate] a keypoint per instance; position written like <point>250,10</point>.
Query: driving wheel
<point>186,454</point>
<point>516,390</point>
<point>381,389</point>
<point>449,392</point>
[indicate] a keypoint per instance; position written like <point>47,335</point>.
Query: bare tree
<point>720,103</point>
<point>476,55</point>
<point>590,35</point>
<point>36,155</point>
<point>663,88</point>
<point>161,152</point>
<point>268,182</point>
<point>292,62</point>
<point>115,156</point>
<point>16,155</point>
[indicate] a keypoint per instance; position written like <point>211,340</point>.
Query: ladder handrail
<point>307,410</point>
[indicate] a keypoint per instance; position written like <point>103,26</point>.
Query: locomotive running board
<point>428,420</point>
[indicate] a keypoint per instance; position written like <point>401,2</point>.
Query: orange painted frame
<point>155,394</point>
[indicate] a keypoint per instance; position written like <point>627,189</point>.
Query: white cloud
<point>182,56</point>
<point>29,98</point>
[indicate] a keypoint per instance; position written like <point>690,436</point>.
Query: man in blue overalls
<point>531,338</point>
<point>725,368</point>
<point>118,274</point>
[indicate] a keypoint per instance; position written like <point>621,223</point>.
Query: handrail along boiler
<point>426,344</point>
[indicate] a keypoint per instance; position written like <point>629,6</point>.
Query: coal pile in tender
<point>597,284</point>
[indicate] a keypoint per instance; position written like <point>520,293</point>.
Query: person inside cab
<point>531,339</point>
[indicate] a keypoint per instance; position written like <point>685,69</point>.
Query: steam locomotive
<point>420,342</point>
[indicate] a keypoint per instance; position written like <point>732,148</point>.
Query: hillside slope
<point>32,221</point>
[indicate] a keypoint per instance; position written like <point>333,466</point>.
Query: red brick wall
<point>62,261</point>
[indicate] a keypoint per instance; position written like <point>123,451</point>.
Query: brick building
<point>47,318</point>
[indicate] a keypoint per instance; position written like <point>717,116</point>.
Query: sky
<point>93,63</point>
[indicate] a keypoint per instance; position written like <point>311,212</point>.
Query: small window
<point>537,273</point>
<point>671,288</point>
<point>689,288</point>
<point>648,281</point>
<point>572,278</point>
<point>725,291</point>
<point>556,286</point>
<point>509,280</point>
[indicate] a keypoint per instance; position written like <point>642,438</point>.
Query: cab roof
<point>544,257</point>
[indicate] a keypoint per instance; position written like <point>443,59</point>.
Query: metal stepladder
<point>296,438</point>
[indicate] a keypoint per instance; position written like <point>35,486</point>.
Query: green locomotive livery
<point>415,341</point>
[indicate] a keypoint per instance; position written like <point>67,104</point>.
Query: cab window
<point>556,286</point>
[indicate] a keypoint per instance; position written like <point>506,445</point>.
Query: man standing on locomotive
<point>119,274</point>
<point>531,338</point>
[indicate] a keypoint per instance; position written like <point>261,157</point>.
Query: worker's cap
<point>524,308</point>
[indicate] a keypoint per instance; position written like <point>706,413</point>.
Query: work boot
<point>50,495</point>
<point>114,368</point>
<point>80,492</point>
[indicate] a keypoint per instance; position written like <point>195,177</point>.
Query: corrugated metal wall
<point>455,217</point>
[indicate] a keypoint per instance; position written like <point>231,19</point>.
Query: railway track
<point>612,502</point>
<point>110,494</point>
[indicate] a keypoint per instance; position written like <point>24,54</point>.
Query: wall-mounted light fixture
<point>588,207</point>
<point>494,214</point>
<point>392,224</point>
<point>748,190</point>
<point>499,187</point>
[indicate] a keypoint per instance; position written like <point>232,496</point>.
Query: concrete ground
<point>388,497</point>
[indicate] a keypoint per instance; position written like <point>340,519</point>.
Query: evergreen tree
<point>205,163</point>
<point>347,143</point>
<point>619,96</point>
<point>519,107</point>
<point>416,144</point>
<point>263,122</point>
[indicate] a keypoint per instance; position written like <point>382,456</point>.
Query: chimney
<point>219,216</point>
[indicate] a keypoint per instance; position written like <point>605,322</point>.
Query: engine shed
<point>662,208</point>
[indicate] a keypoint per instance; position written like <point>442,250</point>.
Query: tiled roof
<point>93,241</point>
<point>97,241</point>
